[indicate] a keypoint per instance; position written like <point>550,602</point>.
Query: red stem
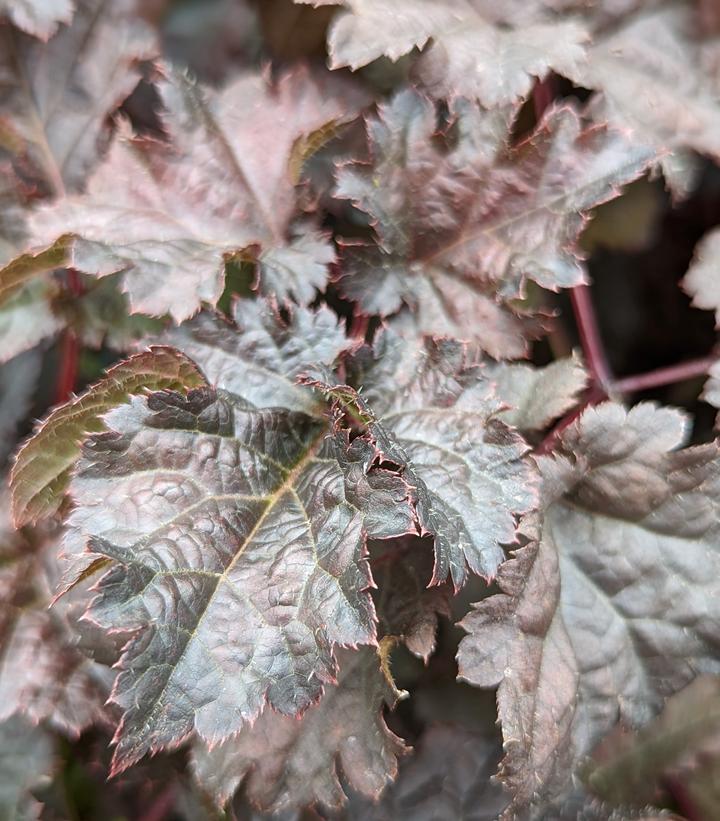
<point>70,350</point>
<point>359,326</point>
<point>691,369</point>
<point>590,337</point>
<point>593,395</point>
<point>543,96</point>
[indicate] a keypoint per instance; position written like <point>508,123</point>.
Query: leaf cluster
<point>336,494</point>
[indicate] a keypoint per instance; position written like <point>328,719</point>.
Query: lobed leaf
<point>234,505</point>
<point>537,396</point>
<point>654,79</point>
<point>619,591</point>
<point>476,50</point>
<point>41,472</point>
<point>702,280</point>
<point>56,96</point>
<point>43,674</point>
<point>432,414</point>
<point>218,514</point>
<point>258,357</point>
<point>285,762</point>
<point>461,227</point>
<point>169,216</point>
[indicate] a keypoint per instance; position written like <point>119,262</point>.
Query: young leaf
<point>56,96</point>
<point>38,17</point>
<point>449,776</point>
<point>537,396</point>
<point>702,280</point>
<point>42,468</point>
<point>286,762</point>
<point>26,763</point>
<point>653,80</point>
<point>433,414</point>
<point>42,673</point>
<point>626,569</point>
<point>170,215</point>
<point>480,218</point>
<point>476,50</point>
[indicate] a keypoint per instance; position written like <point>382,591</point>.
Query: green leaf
<point>42,467</point>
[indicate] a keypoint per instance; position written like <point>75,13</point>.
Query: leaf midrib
<point>286,486</point>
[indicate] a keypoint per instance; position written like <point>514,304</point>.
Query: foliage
<point>342,522</point>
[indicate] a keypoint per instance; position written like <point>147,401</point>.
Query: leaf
<point>653,80</point>
<point>518,642</point>
<point>433,415</point>
<point>12,217</point>
<point>18,382</point>
<point>43,674</point>
<point>219,514</point>
<point>459,228</point>
<point>56,96</point>
<point>711,391</point>
<point>42,467</point>
<point>241,506</point>
<point>27,267</point>
<point>258,358</point>
<point>26,312</point>
<point>475,51</point>
<point>702,280</point>
<point>630,768</point>
<point>285,762</point>
<point>38,17</point>
<point>26,763</point>
<point>449,776</point>
<point>537,396</point>
<point>27,318</point>
<point>408,607</point>
<point>170,215</point>
<point>620,593</point>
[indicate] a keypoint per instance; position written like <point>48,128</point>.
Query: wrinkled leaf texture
<point>432,413</point>
<point>460,227</point>
<point>611,606</point>
<point>170,215</point>
<point>223,508</point>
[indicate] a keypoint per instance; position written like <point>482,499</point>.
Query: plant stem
<point>590,337</point>
<point>543,96</point>
<point>593,395</point>
<point>70,348</point>
<point>681,372</point>
<point>359,326</point>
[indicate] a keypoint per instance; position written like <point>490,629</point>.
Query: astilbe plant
<point>293,286</point>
